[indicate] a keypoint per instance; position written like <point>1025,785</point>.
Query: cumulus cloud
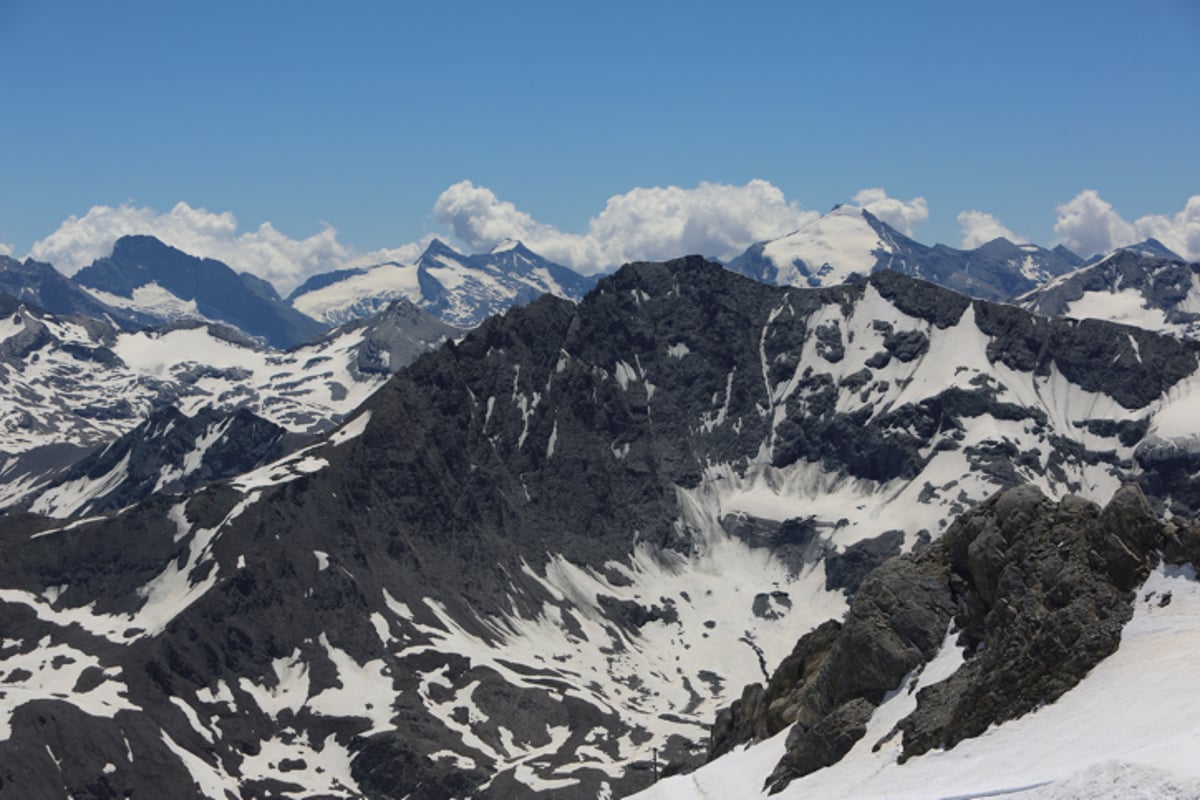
<point>979,227</point>
<point>902,216</point>
<point>1088,225</point>
<point>265,251</point>
<point>713,219</point>
<point>1180,232</point>
<point>5,249</point>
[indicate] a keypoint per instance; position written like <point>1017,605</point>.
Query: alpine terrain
<point>146,276</point>
<point>851,241</point>
<point>879,524</point>
<point>1137,286</point>
<point>462,290</point>
<point>70,385</point>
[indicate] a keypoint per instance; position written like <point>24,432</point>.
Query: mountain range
<point>74,384</point>
<point>462,290</point>
<point>850,241</point>
<point>544,558</point>
<point>145,283</point>
<point>1137,286</point>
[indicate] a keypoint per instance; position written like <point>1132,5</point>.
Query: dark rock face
<point>1170,474</point>
<point>501,487</point>
<point>218,291</point>
<point>37,284</point>
<point>171,453</point>
<point>394,337</point>
<point>1037,591</point>
<point>1043,591</point>
<point>839,672</point>
<point>847,569</point>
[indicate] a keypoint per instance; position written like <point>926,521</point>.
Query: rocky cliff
<point>1034,593</point>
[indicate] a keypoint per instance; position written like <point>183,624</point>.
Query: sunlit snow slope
<point>1131,287</point>
<point>1130,729</point>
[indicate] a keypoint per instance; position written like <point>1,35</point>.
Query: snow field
<point>832,247</point>
<point>1131,728</point>
<point>50,671</point>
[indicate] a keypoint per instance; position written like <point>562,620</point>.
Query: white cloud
<point>5,249</point>
<point>1180,232</point>
<point>1088,225</point>
<point>902,216</point>
<point>979,228</point>
<point>713,219</point>
<point>265,251</point>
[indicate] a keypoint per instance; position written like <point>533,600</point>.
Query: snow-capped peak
<point>828,250</point>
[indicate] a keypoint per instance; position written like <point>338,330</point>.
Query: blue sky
<point>360,115</point>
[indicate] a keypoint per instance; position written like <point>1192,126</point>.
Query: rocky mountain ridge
<point>163,282</point>
<point>73,384</point>
<point>1034,594</point>
<point>459,289</point>
<point>41,285</point>
<point>1135,286</point>
<point>850,241</point>
<point>168,453</point>
<point>540,554</point>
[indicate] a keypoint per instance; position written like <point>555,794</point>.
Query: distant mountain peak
<point>462,290</point>
<point>210,287</point>
<point>437,247</point>
<point>849,241</point>
<point>1154,249</point>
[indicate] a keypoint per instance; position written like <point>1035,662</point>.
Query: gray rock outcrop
<point>1034,592</point>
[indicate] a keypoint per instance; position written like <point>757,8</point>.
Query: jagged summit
<point>850,241</point>
<point>161,281</point>
<point>1153,248</point>
<point>544,552</point>
<point>437,247</point>
<point>460,290</point>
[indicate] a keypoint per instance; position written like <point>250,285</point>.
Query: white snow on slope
<point>1131,726</point>
<point>668,677</point>
<point>166,595</point>
<point>361,295</point>
<point>151,299</point>
<point>52,671</point>
<point>956,357</point>
<point>42,396</point>
<point>1126,306</point>
<point>832,247</point>
<point>68,498</point>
